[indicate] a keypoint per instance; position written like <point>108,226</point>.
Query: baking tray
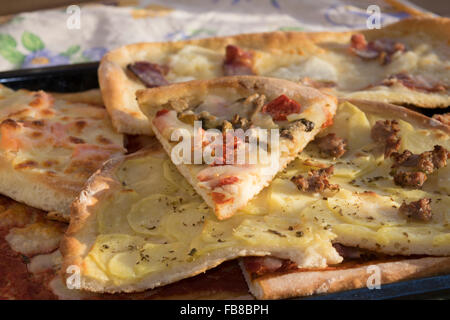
<point>80,77</point>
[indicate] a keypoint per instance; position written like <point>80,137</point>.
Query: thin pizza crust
<point>284,49</point>
<point>43,175</point>
<point>310,282</point>
<point>316,107</point>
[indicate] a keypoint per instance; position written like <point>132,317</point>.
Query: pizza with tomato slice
<point>403,63</point>
<point>230,136</point>
<point>49,148</point>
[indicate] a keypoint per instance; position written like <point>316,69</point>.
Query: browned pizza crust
<point>309,282</point>
<point>118,85</point>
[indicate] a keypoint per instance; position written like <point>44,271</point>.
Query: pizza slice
<point>389,208</point>
<point>230,136</point>
<point>403,63</point>
<point>30,264</point>
<point>271,278</point>
<point>138,224</point>
<point>49,147</point>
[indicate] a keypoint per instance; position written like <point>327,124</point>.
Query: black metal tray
<point>80,77</point>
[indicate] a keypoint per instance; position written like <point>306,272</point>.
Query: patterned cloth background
<point>42,38</point>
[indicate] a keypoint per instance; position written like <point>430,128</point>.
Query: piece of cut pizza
<point>138,224</point>
<point>270,278</point>
<point>377,178</point>
<point>403,63</point>
<point>49,147</point>
<point>30,264</point>
<point>230,136</point>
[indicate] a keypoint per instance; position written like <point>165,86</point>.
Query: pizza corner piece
<point>49,147</point>
<point>230,136</point>
<point>402,63</point>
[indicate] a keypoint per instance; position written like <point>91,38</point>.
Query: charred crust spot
<point>36,134</point>
<point>80,124</point>
<point>309,125</point>
<point>303,124</point>
<point>286,134</point>
<point>102,140</point>
<point>76,140</point>
<point>26,164</point>
<point>40,99</point>
<point>51,173</point>
<point>10,123</point>
<point>38,123</point>
<point>49,163</point>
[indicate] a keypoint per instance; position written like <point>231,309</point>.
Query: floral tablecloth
<point>45,38</point>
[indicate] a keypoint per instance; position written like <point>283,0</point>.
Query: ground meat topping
<point>387,132</point>
<point>419,210</point>
<point>151,74</point>
<point>331,145</point>
<point>427,161</point>
<point>410,179</point>
<point>382,49</point>
<point>316,181</point>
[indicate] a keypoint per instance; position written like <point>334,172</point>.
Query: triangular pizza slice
<point>230,136</point>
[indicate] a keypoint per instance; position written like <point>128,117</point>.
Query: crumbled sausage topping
<point>386,132</point>
<point>419,210</point>
<point>316,181</point>
<point>331,145</point>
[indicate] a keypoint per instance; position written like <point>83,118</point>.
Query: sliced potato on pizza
<point>30,265</point>
<point>405,63</point>
<point>49,147</point>
<point>230,136</point>
<point>133,229</point>
<point>377,178</point>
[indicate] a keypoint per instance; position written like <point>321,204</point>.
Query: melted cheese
<point>327,63</point>
<point>194,62</point>
<point>154,224</point>
<point>145,232</point>
<point>313,67</point>
<point>371,219</point>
